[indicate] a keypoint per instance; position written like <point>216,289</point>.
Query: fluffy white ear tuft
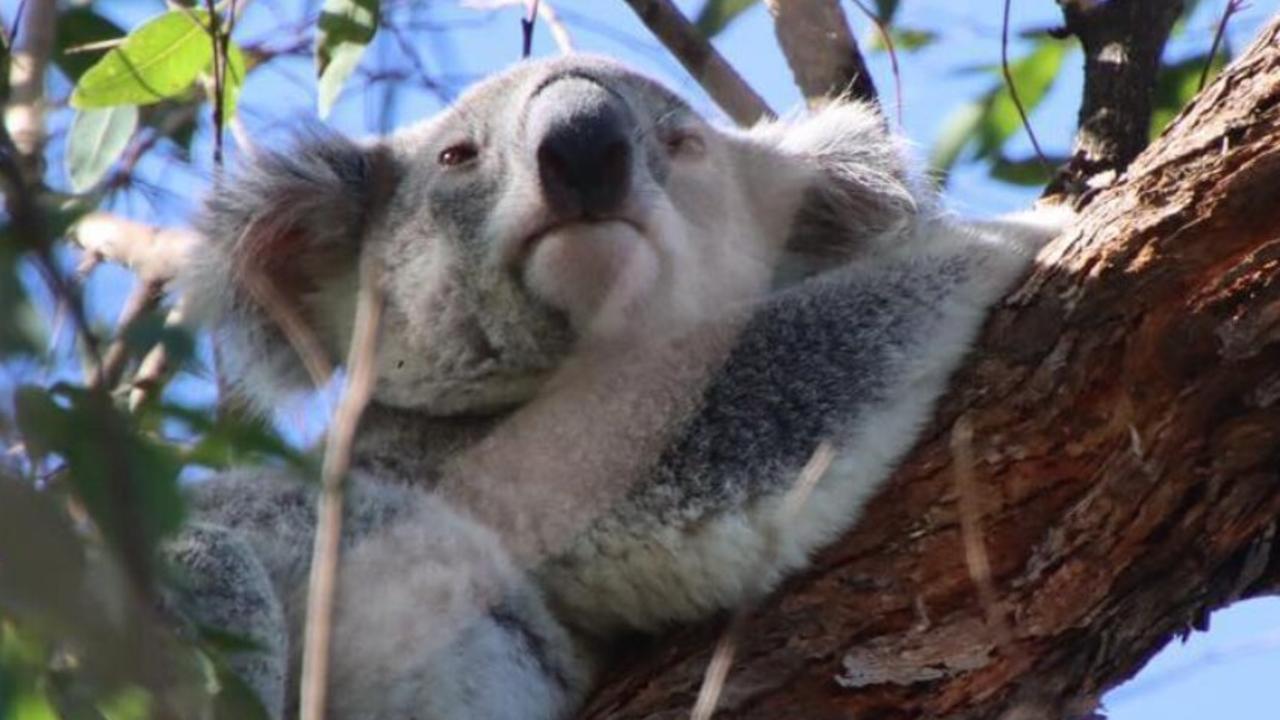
<point>280,231</point>
<point>860,189</point>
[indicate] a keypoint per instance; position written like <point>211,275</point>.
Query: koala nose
<point>583,137</point>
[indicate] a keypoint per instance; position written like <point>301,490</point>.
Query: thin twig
<point>219,76</point>
<point>722,657</point>
<point>545,12</point>
<point>702,61</point>
<point>152,253</point>
<point>11,33</point>
<point>883,30</point>
<point>526,29</point>
<point>361,362</point>
<point>24,109</point>
<point>144,299</point>
<point>149,379</point>
<point>1232,7</point>
<point>1013,90</point>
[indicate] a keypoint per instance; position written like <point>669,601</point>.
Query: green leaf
<point>95,141</point>
<point>1177,83</point>
<point>904,39</point>
<point>957,131</point>
<point>127,482</point>
<point>158,60</point>
<point>345,29</point>
<point>717,14</point>
<point>77,27</point>
<point>229,439</point>
<point>1033,76</point>
<point>130,703</point>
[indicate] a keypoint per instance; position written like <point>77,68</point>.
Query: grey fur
<point>588,408</point>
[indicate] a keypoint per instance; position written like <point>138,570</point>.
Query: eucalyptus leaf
<point>1033,76</point>
<point>95,141</point>
<point>76,28</point>
<point>957,131</point>
<point>904,39</point>
<point>158,60</point>
<point>716,15</point>
<point>345,29</point>
<point>126,481</point>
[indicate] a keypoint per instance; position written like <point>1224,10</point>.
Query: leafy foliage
<point>982,127</point>
<point>345,29</point>
<point>157,61</point>
<point>716,15</point>
<point>97,138</point>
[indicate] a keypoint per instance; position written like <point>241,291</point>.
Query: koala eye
<point>684,143</point>
<point>457,154</point>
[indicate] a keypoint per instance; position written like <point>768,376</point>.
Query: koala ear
<point>283,239</point>
<point>858,191</point>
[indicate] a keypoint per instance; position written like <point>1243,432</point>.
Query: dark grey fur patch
<point>808,367</point>
<point>506,617</point>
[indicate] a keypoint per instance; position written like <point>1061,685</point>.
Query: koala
<point>613,333</point>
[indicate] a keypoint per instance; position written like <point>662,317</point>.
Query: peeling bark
<point>1125,409</point>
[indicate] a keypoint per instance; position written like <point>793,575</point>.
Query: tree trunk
<point>1122,478</point>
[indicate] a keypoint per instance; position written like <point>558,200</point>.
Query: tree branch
<point>24,113</point>
<point>703,62</point>
<point>1124,460</point>
<point>1123,42</point>
<point>824,57</point>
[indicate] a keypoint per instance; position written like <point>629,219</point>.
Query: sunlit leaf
<point>158,60</point>
<point>957,131</point>
<point>130,703</point>
<point>345,29</point>
<point>904,39</point>
<point>78,27</point>
<point>226,440</point>
<point>95,141</point>
<point>1033,76</point>
<point>716,15</point>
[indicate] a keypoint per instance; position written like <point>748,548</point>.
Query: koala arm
<point>223,586</point>
<point>856,356</point>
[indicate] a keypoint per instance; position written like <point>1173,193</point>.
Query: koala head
<point>561,204</point>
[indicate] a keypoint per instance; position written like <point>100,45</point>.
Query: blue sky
<point>1225,673</point>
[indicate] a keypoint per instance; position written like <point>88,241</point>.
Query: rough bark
<point>1124,474</point>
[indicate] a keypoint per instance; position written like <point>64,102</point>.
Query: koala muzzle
<point>582,135</point>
